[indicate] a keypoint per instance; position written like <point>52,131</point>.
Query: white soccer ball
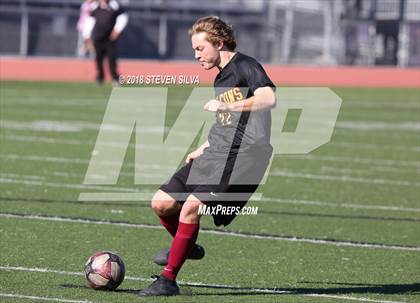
<point>104,270</point>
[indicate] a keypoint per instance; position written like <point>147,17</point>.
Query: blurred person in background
<point>84,45</point>
<point>106,22</point>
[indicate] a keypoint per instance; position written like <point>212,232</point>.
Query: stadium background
<point>339,224</point>
<point>315,33</point>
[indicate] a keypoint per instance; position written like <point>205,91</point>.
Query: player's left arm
<point>120,24</point>
<point>264,98</point>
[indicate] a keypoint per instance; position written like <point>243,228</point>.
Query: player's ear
<point>220,45</point>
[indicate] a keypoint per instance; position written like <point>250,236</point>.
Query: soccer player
<point>231,162</point>
<point>108,19</point>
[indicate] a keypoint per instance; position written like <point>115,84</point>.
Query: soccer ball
<point>104,270</point>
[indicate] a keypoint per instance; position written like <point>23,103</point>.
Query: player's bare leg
<point>167,209</point>
<point>189,212</point>
<point>164,205</point>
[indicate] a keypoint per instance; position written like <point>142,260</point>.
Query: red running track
<point>67,69</point>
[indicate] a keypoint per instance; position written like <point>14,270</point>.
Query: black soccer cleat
<point>161,257</point>
<point>162,286</point>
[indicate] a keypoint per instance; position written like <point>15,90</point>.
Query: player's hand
<point>214,106</point>
<point>193,155</point>
<point>114,35</point>
<point>88,44</point>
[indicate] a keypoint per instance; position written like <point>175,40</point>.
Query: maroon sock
<point>182,244</point>
<point>170,223</point>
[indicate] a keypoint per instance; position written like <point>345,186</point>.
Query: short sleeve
<point>92,9</point>
<point>92,13</point>
<point>121,10</point>
<point>116,7</point>
<point>256,77</point>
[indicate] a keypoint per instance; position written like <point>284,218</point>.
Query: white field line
<point>370,146</point>
<point>72,126</point>
<point>134,194</point>
<point>50,99</point>
<point>373,168</point>
<point>272,173</point>
<point>351,298</point>
<point>62,160</point>
<point>74,113</point>
<point>289,174</point>
<point>40,98</point>
<point>345,134</point>
<point>10,97</point>
<point>77,126</point>
<point>70,175</point>
<point>64,185</point>
<point>257,197</point>
<point>215,232</point>
<point>99,177</point>
<point>380,105</point>
<point>335,205</point>
<point>30,177</point>
<point>95,111</point>
<point>322,170</point>
<point>55,141</point>
<point>187,283</point>
<point>49,140</point>
<point>369,170</point>
<point>36,180</point>
<point>94,103</point>
<point>155,166</point>
<point>370,125</point>
<point>37,298</point>
<point>147,195</point>
<point>369,161</point>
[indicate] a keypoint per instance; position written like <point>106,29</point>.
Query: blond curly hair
<point>217,30</point>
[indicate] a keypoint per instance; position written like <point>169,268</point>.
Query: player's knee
<point>161,207</point>
<point>189,211</point>
<point>162,204</point>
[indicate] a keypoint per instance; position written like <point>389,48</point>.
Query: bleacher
<point>368,32</point>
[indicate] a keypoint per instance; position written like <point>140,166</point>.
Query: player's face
<point>206,53</point>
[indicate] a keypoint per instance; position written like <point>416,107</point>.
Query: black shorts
<point>233,189</point>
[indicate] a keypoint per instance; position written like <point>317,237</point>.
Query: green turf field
<point>339,224</point>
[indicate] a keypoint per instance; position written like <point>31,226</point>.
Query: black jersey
<point>240,131</point>
<point>232,167</point>
<point>105,19</point>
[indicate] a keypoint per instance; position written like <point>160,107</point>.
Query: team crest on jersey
<point>229,96</point>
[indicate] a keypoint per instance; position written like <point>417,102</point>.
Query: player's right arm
<point>197,152</point>
<point>90,21</point>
